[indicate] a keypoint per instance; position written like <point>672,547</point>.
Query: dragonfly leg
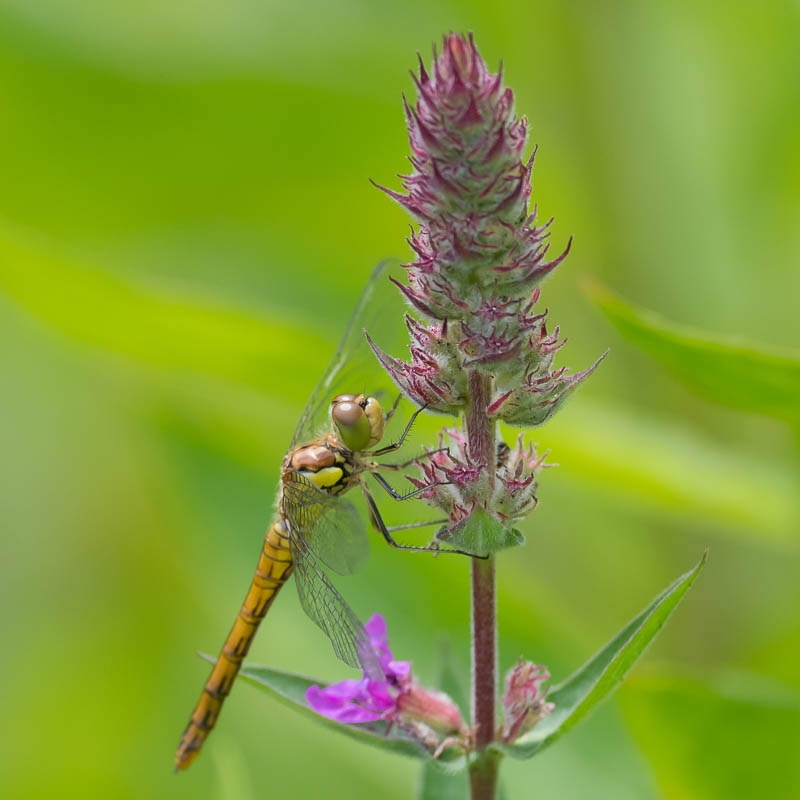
<point>397,496</point>
<point>380,525</point>
<point>399,443</point>
<point>428,454</point>
<point>390,412</point>
<point>409,525</point>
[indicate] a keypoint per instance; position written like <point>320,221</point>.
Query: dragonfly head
<point>358,420</point>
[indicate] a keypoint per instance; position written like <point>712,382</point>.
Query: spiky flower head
<point>479,253</point>
<point>459,487</point>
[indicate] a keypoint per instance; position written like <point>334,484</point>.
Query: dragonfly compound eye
<point>352,424</point>
<point>376,418</point>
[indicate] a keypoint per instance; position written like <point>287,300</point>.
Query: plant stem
<point>483,770</point>
<point>480,430</point>
<point>482,450</point>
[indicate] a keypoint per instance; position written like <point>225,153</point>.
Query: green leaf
<point>682,473</point>
<point>290,689</point>
<point>720,735</point>
<point>595,680</point>
<point>148,323</point>
<point>737,374</point>
<point>481,534</point>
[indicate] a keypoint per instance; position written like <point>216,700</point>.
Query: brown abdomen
<point>274,567</point>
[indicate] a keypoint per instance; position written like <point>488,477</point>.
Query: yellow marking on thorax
<point>324,478</point>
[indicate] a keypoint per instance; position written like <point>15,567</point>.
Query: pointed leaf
<point>290,689</point>
<point>597,679</point>
<point>733,373</point>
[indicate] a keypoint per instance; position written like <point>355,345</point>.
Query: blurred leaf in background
<point>185,225</point>
<point>739,374</point>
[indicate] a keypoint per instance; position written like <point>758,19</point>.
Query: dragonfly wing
<point>354,368</point>
<point>330,526</point>
<point>328,609</point>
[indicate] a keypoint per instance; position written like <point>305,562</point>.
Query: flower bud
<point>523,700</point>
<point>432,708</point>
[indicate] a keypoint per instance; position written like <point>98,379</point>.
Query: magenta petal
<point>354,714</point>
<point>333,697</point>
<point>376,628</point>
<point>344,691</point>
<point>380,698</point>
<point>321,702</point>
<point>379,640</point>
<point>400,669</point>
<point>365,700</point>
<point>351,701</point>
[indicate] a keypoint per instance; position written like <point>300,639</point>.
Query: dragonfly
<point>315,529</point>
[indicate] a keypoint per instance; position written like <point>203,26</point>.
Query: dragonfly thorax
<point>323,463</point>
<point>358,421</point>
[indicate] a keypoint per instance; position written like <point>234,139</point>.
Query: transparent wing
<point>354,368</point>
<point>331,526</point>
<point>325,529</point>
<point>323,604</point>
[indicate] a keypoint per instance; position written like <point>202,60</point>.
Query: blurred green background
<point>185,225</point>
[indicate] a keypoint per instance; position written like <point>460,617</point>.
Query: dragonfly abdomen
<point>274,568</point>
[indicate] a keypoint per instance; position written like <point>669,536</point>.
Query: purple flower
<point>396,699</point>
<point>352,701</point>
<point>396,672</point>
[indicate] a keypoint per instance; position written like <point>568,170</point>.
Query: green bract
<point>481,534</point>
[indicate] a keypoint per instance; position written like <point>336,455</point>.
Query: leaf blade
<point>575,697</point>
<point>290,689</point>
<point>734,373</point>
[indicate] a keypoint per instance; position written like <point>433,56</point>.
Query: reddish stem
<point>480,431</point>
<point>482,451</point>
<point>484,651</point>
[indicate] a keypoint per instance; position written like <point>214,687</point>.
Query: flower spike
<point>479,261</point>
